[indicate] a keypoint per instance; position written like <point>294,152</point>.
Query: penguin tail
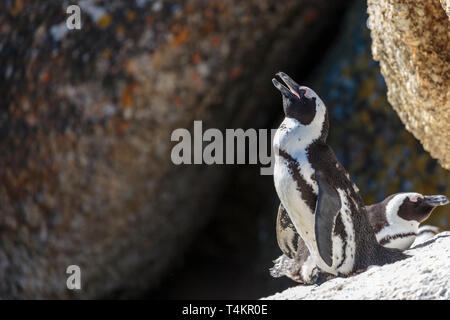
<point>388,255</point>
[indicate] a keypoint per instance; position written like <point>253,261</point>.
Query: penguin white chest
<point>301,214</point>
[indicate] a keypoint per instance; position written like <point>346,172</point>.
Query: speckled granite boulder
<point>411,41</point>
<point>422,276</point>
<point>85,123</point>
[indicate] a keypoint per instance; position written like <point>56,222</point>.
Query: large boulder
<point>411,42</point>
<point>86,119</point>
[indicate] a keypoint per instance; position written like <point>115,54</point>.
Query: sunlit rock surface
<point>411,41</point>
<point>422,276</point>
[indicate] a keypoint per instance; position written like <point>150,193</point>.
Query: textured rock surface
<point>411,40</point>
<point>85,123</point>
<point>425,275</point>
<point>369,139</point>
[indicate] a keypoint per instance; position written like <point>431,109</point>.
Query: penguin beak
<point>292,85</point>
<point>289,92</point>
<point>434,201</point>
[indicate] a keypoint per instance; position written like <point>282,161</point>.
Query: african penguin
<point>396,219</point>
<point>316,191</point>
<point>387,218</point>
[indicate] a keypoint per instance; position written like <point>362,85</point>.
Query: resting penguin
<point>395,221</point>
<point>316,191</point>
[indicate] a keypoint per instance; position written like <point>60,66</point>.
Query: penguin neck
<point>293,137</point>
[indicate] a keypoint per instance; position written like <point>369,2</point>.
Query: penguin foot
<point>293,269</point>
<point>283,266</point>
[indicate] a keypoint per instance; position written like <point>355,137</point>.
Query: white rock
<point>424,275</point>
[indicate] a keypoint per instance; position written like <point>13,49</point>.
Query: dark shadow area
<point>232,255</point>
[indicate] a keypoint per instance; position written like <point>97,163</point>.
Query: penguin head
<point>303,105</point>
<point>418,207</point>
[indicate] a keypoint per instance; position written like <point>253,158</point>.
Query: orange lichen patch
<point>189,9</point>
<point>208,27</point>
<point>181,37</point>
<point>120,30</point>
<point>221,5</point>
<point>209,13</point>
<point>214,8</point>
<point>105,21</point>
<point>196,58</point>
<point>130,15</point>
<point>130,66</point>
<point>106,53</point>
<point>18,6</point>
<point>44,77</point>
<point>126,97</point>
<point>196,78</point>
<point>215,41</point>
<point>177,101</point>
<point>122,126</point>
<point>236,72</point>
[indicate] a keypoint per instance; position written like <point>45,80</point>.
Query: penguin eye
<point>415,201</point>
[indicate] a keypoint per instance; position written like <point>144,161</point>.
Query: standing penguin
<point>316,191</point>
<point>395,220</point>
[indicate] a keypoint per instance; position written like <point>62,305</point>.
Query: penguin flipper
<point>327,208</point>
